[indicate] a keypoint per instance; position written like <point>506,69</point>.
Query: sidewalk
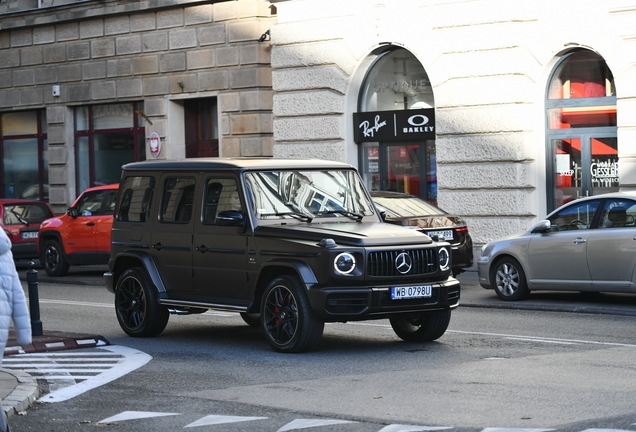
<point>18,390</point>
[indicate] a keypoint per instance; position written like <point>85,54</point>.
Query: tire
<point>287,320</point>
<point>424,327</point>
<point>509,280</point>
<point>251,319</point>
<point>137,306</point>
<point>53,258</point>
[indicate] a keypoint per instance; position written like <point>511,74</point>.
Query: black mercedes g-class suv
<point>289,244</point>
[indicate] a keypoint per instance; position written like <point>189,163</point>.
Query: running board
<point>192,304</point>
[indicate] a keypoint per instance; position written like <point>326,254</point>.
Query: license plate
<point>447,234</point>
<point>410,292</point>
<point>30,235</point>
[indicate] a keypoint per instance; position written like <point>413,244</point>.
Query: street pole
<point>34,300</point>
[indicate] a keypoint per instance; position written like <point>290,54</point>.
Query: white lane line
<point>76,303</point>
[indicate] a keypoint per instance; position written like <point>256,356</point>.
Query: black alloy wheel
<point>287,319</point>
<point>53,259</point>
<point>423,327</point>
<point>509,280</point>
<point>138,310</point>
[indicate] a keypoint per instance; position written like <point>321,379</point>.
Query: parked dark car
<point>81,236</point>
<point>412,212</point>
<point>587,245</point>
<point>289,244</point>
<point>21,220</point>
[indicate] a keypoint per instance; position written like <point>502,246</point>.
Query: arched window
<point>582,147</point>
<point>395,126</point>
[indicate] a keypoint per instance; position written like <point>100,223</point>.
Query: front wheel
<point>509,280</point>
<point>287,319</point>
<point>137,306</point>
<point>423,327</point>
<point>53,259</point>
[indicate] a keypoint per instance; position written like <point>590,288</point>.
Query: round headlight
<point>344,263</point>
<point>444,259</point>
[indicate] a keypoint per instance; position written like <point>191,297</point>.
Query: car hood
<point>350,234</point>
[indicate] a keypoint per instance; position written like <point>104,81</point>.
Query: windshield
<point>306,195</point>
<point>406,207</point>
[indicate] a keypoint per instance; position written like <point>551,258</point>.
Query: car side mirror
<point>541,227</point>
<point>229,218</point>
<point>72,212</point>
<point>383,215</point>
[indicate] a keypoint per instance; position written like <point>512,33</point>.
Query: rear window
<point>26,214</point>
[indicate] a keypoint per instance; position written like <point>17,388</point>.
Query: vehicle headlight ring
<point>444,259</point>
<point>344,263</point>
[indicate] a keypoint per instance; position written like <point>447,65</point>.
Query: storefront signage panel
<point>386,126</point>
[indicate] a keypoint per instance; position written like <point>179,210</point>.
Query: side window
<point>574,217</point>
<point>618,214</point>
<point>221,194</point>
<point>136,197</point>
<point>90,204</point>
<point>177,200</point>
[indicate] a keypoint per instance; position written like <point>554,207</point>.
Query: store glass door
<point>584,165</point>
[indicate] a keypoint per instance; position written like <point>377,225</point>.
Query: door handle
<point>90,223</point>
<point>157,246</point>
<point>579,240</point>
<point>202,249</point>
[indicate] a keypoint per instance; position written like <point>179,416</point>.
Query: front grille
<point>383,264</point>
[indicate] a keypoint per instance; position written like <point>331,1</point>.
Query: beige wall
<point>488,61</point>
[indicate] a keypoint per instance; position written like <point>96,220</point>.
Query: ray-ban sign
<point>406,125</point>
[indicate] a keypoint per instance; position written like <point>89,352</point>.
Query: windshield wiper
<point>297,215</point>
<point>355,216</point>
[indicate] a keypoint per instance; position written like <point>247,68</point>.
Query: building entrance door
<point>584,164</point>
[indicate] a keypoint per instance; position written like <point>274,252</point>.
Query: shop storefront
<point>395,126</point>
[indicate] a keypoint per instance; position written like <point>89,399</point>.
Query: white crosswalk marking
<point>219,419</point>
<point>134,415</point>
<point>309,423</point>
<point>411,428</point>
<point>69,374</point>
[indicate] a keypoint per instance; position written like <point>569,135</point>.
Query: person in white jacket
<point>13,306</point>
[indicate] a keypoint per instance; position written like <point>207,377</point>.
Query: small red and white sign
<point>155,144</point>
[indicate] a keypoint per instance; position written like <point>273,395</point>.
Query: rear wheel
<point>53,259</point>
<point>137,306</point>
<point>509,280</point>
<point>423,327</point>
<point>286,317</point>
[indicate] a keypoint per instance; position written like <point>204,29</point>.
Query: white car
<point>586,245</point>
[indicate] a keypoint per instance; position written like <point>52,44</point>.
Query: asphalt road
<point>558,361</point>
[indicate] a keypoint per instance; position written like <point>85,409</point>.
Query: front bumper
<point>483,270</point>
<point>334,304</point>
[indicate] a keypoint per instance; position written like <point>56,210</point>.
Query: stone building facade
<point>497,110</point>
<point>87,85</point>
<point>498,71</point>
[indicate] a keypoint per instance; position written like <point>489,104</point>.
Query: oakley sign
<point>405,125</point>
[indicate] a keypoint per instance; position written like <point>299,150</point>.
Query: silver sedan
<point>586,245</point>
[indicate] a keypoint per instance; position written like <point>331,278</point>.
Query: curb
<point>23,395</point>
<point>55,341</point>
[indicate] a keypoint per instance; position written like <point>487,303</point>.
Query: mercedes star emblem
<point>403,263</point>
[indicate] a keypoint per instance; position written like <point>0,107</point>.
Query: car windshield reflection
<point>307,195</point>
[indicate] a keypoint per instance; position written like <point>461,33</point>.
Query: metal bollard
<point>34,300</point>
